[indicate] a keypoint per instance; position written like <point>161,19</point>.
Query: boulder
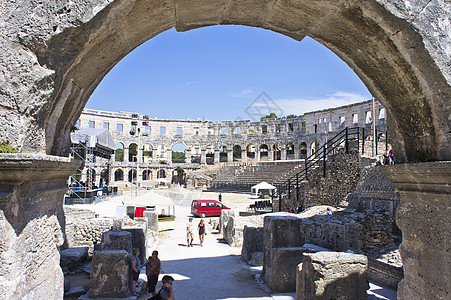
<point>332,275</point>
<point>72,257</point>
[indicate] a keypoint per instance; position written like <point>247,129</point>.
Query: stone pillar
<point>423,215</point>
<point>229,155</point>
<point>139,153</point>
<point>125,154</point>
<point>216,156</point>
<point>188,156</point>
<point>31,223</point>
<point>283,152</point>
<point>257,154</point>
<point>270,154</point>
<point>203,156</point>
<point>243,154</point>
<point>297,152</point>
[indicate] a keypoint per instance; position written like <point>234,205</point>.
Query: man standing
<point>220,197</point>
<point>153,268</point>
<point>189,232</point>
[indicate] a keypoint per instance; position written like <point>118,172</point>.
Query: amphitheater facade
<point>147,143</point>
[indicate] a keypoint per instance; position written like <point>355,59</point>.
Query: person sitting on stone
<point>166,292</point>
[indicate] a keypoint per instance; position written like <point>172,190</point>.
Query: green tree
<point>5,147</point>
<point>119,155</point>
<point>178,157</point>
<point>270,116</point>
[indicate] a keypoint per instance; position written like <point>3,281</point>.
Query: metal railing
<point>347,139</point>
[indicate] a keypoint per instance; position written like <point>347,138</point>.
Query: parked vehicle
<point>207,208</point>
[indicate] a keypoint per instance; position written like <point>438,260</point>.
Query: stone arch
<point>303,150</point>
<point>314,146</point>
<point>277,150</point>
<point>251,151</point>
<point>119,152</point>
<point>209,155</point>
<point>161,173</point>
<point>118,175</point>
<point>223,153</point>
<point>178,153</point>
<point>392,47</point>
<point>264,152</point>
<point>290,151</point>
<point>132,175</point>
<point>236,152</point>
<point>357,32</point>
<point>146,175</point>
<point>132,152</point>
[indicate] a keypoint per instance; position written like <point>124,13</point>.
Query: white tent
<point>262,186</point>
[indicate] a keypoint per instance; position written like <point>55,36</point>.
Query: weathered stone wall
<point>374,191</point>
<point>342,174</point>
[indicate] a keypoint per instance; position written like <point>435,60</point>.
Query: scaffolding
<point>87,144</point>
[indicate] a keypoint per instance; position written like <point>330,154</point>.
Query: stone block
<point>229,231</point>
<point>280,276</point>
<point>152,220</point>
<point>252,242</point>
<point>138,241</point>
<point>224,219</point>
<point>110,274</point>
<point>331,275</point>
<point>72,257</point>
<point>117,240</point>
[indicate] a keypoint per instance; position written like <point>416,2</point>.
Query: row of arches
<point>179,152</point>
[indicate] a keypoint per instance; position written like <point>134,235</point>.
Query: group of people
<point>190,232</point>
<point>153,268</point>
<point>387,159</point>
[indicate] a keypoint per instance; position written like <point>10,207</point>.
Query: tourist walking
<point>391,157</point>
<point>220,197</point>
<point>153,267</point>
<point>202,232</point>
<point>189,232</point>
<point>136,269</point>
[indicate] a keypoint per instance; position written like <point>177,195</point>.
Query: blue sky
<point>223,72</point>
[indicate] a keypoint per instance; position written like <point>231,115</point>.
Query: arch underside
<point>384,51</point>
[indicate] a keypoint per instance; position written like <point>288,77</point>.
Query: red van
<point>207,208</point>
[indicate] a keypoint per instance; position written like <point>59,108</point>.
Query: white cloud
<point>242,93</point>
<point>299,106</point>
<point>187,84</point>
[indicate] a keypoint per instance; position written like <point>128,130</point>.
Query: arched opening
<point>133,152</point>
<point>223,154</point>
<point>303,150</point>
<point>236,153</point>
<point>386,49</point>
<point>250,149</point>
<point>178,153</point>
<point>179,176</point>
<point>119,152</point>
<point>290,151</point>
<point>104,178</point>
<point>209,155</point>
<point>277,150</point>
<point>132,176</point>
<point>118,175</point>
<point>314,146</point>
<point>264,152</point>
<point>147,175</point>
<point>161,174</point>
